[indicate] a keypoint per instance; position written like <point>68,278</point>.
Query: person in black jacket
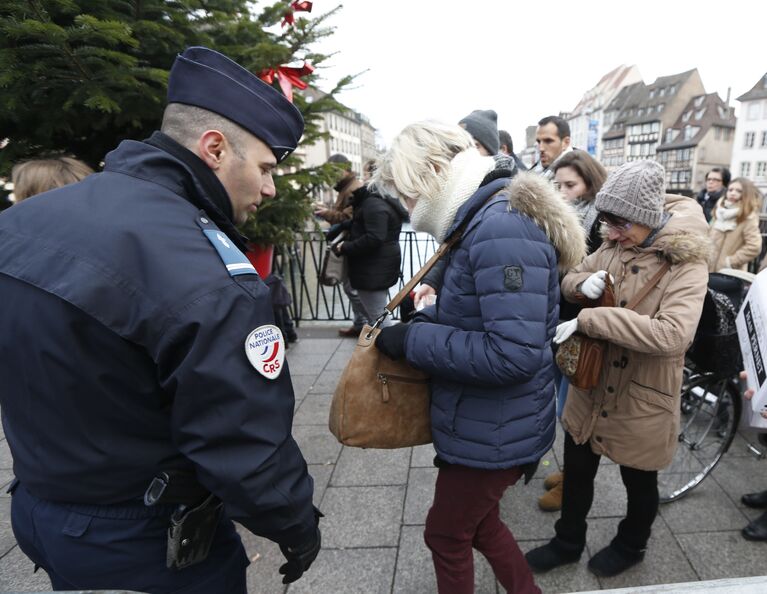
<point>372,247</point>
<point>717,181</point>
<point>146,399</point>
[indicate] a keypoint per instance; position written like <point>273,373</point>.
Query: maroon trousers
<point>465,515</point>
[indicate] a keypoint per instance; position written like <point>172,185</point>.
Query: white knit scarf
<point>435,214</point>
<point>726,213</point>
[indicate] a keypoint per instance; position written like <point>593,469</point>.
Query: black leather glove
<point>300,558</point>
<point>391,341</point>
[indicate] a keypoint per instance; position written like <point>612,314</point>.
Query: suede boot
<point>552,499</point>
<point>554,479</point>
<point>557,552</point>
<point>614,559</point>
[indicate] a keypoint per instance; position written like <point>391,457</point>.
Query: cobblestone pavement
<point>375,503</point>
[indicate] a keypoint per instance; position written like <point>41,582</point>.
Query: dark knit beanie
<point>482,124</point>
<point>635,192</point>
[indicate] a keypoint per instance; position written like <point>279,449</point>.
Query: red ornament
<point>295,7</point>
<point>288,77</point>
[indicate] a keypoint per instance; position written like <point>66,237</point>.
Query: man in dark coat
<point>144,380</point>
<point>717,181</point>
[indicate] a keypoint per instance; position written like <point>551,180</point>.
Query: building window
<point>659,107</point>
<point>690,131</point>
<point>662,91</point>
<point>699,114</point>
<point>748,140</point>
<point>717,133</point>
<point>672,89</point>
<point>745,169</point>
<point>753,110</point>
<point>764,139</point>
<point>652,93</point>
<point>761,168</point>
<point>699,100</point>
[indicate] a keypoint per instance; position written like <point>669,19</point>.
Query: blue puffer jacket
<point>487,344</point>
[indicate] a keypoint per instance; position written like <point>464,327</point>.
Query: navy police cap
<point>207,79</point>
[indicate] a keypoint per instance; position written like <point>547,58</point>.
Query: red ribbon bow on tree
<point>288,77</point>
<point>295,7</point>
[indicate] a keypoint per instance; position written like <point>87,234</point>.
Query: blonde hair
<point>40,175</point>
<point>418,163</point>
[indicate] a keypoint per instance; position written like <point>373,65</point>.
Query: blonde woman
<point>734,230</point>
<point>486,342</point>
<point>40,175</point>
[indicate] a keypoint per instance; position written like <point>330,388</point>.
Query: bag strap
<point>410,285</point>
<point>649,286</point>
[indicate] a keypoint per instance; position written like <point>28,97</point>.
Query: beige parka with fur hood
<point>632,416</point>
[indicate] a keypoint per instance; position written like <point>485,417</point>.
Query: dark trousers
<point>110,547</point>
<point>465,515</point>
<point>581,465</point>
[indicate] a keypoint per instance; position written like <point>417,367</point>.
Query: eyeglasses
<point>616,223</point>
<point>716,179</point>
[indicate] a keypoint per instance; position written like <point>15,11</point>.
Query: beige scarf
<point>434,215</point>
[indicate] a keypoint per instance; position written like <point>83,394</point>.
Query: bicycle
<point>711,401</point>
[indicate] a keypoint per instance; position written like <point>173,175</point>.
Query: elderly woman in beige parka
<point>632,416</point>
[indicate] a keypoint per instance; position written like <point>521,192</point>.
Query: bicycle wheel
<point>710,411</point>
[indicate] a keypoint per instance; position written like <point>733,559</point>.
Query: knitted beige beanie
<point>635,192</point>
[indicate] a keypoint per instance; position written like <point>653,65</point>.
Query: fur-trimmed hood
<point>535,197</point>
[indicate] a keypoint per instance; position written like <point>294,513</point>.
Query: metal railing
<point>299,266</point>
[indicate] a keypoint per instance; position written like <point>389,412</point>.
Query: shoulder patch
<point>512,278</point>
<point>235,261</point>
<point>265,349</point>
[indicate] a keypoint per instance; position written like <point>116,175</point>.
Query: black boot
<point>757,529</point>
<point>757,500</point>
<point>557,552</point>
<point>614,559</point>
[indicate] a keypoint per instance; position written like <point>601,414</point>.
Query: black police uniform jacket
<point>123,350</point>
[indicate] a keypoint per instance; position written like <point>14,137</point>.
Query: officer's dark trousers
<point>581,465</point>
<point>90,547</point>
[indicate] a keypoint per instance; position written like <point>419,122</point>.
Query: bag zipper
<point>385,378</point>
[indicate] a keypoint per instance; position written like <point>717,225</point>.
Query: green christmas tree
<point>79,76</point>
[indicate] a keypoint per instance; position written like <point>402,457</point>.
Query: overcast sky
<point>529,59</point>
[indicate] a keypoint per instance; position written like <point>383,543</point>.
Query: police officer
<point>144,380</point>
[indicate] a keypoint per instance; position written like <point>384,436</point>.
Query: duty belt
<point>175,486</point>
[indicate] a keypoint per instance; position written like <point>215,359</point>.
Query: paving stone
<point>6,461</point>
<point>664,561</point>
<point>326,382</point>
<point>315,346</point>
<point>6,476</point>
<point>520,511</point>
<point>317,443</point>
<point>362,516</point>
<point>420,494</point>
<point>716,555</point>
<point>301,383</point>
<point>738,476</point>
<point>321,475</point>
<point>548,465</point>
<point>314,410</point>
<point>369,467</point>
<point>16,573</point>
<point>573,577</point>
<point>706,508</point>
<point>7,540</point>
<point>423,456</point>
<point>350,571</point>
<point>415,571</point>
<point>265,559</point>
<point>339,360</point>
<point>308,364</point>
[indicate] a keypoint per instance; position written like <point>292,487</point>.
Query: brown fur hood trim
<point>536,197</point>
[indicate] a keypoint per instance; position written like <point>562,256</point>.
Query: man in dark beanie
<point>146,399</point>
<point>482,124</point>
